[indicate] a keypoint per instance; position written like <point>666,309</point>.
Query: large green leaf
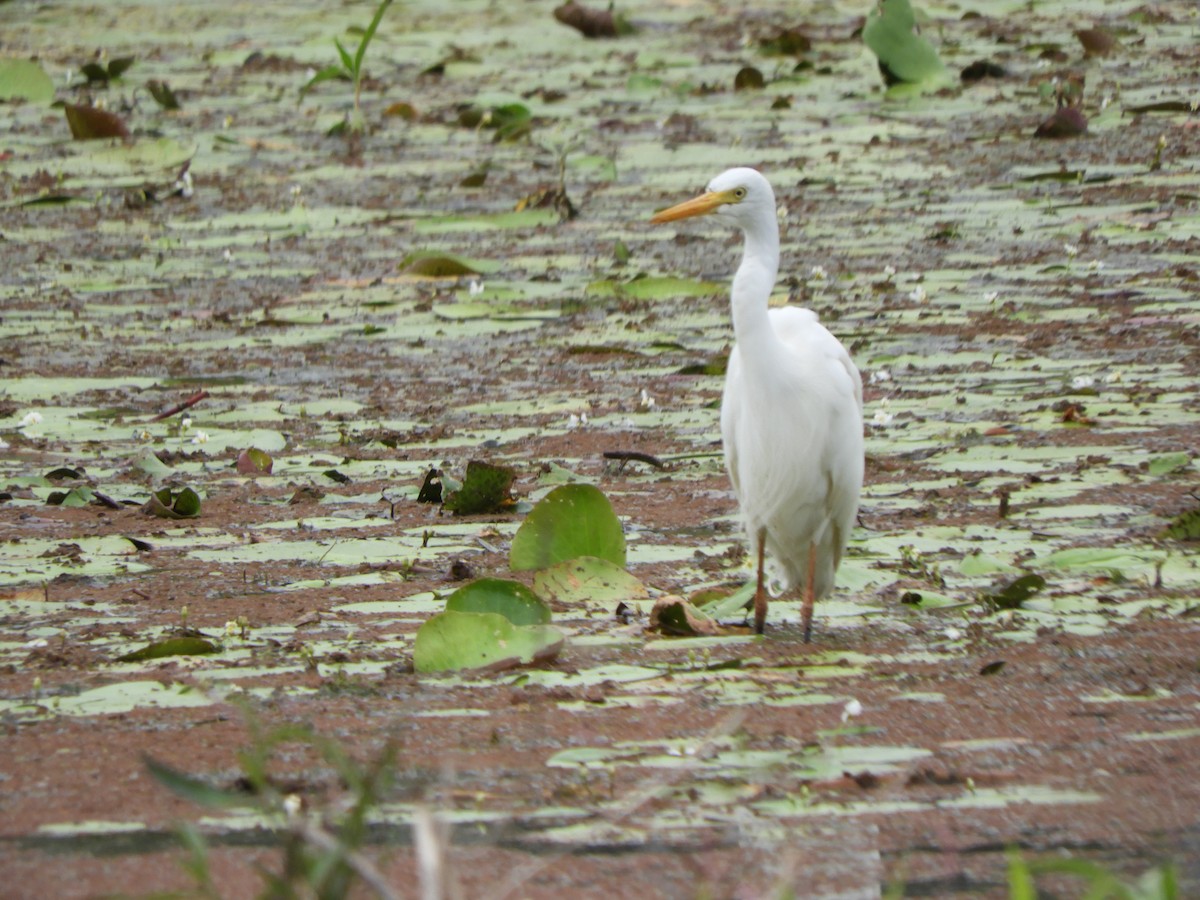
<point>571,521</point>
<point>588,579</point>
<point>23,79</point>
<point>904,56</point>
<point>507,598</point>
<point>453,641</point>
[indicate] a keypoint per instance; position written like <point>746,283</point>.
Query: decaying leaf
<point>431,487</point>
<point>786,42</point>
<point>676,617</point>
<point>510,121</point>
<point>486,488</point>
<point>1014,593</point>
<point>1064,122</point>
<point>591,22</point>
<point>981,69</point>
<point>552,197</point>
<point>162,94</point>
<point>89,123</point>
<point>1097,41</point>
<point>749,78</point>
<point>253,461</point>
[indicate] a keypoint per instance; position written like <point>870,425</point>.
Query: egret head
<point>741,196</point>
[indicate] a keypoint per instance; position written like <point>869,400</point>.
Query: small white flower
<point>142,435</point>
<point>232,629</point>
<point>1082,381</point>
<point>1096,265</point>
<point>227,255</point>
<point>184,186</point>
<point>918,295</point>
<point>37,643</point>
<point>201,437</point>
<point>952,634</point>
<point>292,804</point>
<point>1104,101</point>
<point>1071,250</point>
<point>818,273</point>
<point>185,423</point>
<point>880,375</point>
<point>991,296</point>
<point>646,402</point>
<point>851,709</point>
<point>889,271</point>
<point>577,421</point>
<point>296,190</point>
<point>476,287</point>
<point>30,418</point>
<point>1114,377</point>
<point>3,444</point>
<point>883,417</point>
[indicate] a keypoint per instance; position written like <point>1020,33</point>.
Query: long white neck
<point>752,287</point>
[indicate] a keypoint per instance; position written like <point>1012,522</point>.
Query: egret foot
<point>760,595</point>
<point>806,607</point>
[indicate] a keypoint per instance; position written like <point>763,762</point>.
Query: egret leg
<point>806,607</point>
<point>760,595</point>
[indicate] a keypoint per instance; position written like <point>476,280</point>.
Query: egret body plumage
<point>791,413</point>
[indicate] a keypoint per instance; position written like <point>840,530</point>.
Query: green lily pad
<point>1168,463</point>
<point>23,79</point>
<point>453,641</point>
<point>167,504</point>
<point>443,265</point>
<point>176,646</point>
<point>72,499</point>
<point>904,56</point>
<point>722,606</point>
<point>507,598</point>
<point>571,521</point>
<point>147,461</point>
<point>588,579</point>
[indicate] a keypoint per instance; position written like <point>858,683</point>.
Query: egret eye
<point>739,193</point>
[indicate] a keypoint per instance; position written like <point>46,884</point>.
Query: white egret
<point>791,414</point>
